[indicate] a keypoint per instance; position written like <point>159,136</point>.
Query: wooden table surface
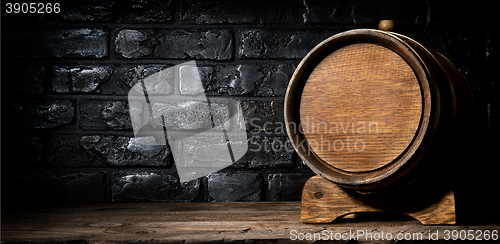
<point>202,222</point>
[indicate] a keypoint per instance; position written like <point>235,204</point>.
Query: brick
<point>207,151</point>
<point>275,80</point>
<point>158,79</point>
<point>67,151</point>
<point>98,151</point>
<point>269,152</point>
<point>237,12</point>
<point>319,11</point>
<point>81,78</point>
<point>286,186</point>
<point>258,80</point>
<point>231,187</point>
<point>188,83</point>
<point>175,44</point>
<point>126,151</point>
<point>191,115</point>
<point>131,44</point>
<point>151,11</point>
<point>363,12</point>
<point>87,10</point>
<point>127,76</point>
<point>103,115</point>
<point>269,43</point>
<point>152,186</point>
<point>114,87</point>
<point>245,79</point>
<point>217,79</point>
<point>41,114</point>
<point>264,116</point>
<point>266,80</point>
<point>25,79</point>
<point>123,11</point>
<point>62,43</point>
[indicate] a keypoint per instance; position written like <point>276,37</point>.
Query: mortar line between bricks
<point>180,25</point>
<point>73,130</point>
<point>301,10</point>
<point>111,44</point>
<point>170,169</point>
<point>177,13</point>
<point>108,170</point>
<point>80,132</point>
<point>77,112</point>
<point>204,189</point>
<point>173,26</point>
<point>108,188</point>
<point>238,44</point>
<point>74,97</point>
<point>87,132</point>
<point>172,62</point>
<point>266,171</point>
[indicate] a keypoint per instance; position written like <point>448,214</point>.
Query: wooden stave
<point>440,110</point>
<point>456,114</point>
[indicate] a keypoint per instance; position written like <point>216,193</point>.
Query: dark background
<point>66,130</point>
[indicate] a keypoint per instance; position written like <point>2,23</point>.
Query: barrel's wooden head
<point>363,108</point>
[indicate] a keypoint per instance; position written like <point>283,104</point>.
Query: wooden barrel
<point>371,110</point>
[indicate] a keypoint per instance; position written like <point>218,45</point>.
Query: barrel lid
<point>360,107</point>
<point>364,87</point>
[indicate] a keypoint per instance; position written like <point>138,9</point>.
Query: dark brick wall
<point>66,130</point>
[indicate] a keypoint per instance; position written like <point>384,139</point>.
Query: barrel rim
<point>299,78</point>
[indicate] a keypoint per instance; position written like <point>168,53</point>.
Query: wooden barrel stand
<point>324,202</point>
<point>372,112</point>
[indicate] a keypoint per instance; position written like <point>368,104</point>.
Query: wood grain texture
<point>188,223</point>
<point>415,99</point>
<point>361,107</point>
<point>324,201</point>
<point>386,25</point>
